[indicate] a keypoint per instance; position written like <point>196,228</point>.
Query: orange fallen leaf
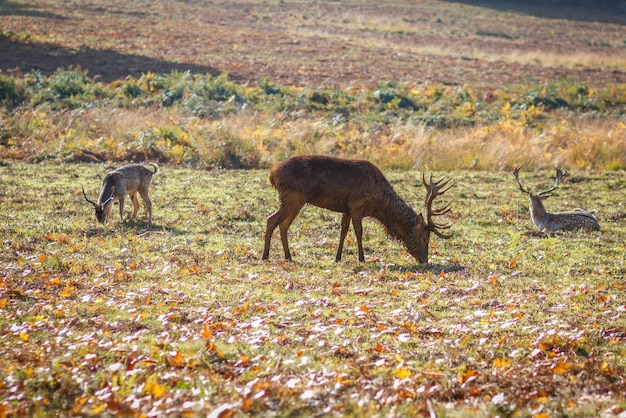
<point>206,332</point>
<point>402,373</point>
<point>561,367</point>
<point>242,308</point>
<point>176,359</point>
<point>154,388</point>
<point>502,363</point>
<point>467,375</point>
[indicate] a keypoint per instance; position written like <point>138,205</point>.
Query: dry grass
<point>260,139</point>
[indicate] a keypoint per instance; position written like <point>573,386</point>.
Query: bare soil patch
<point>305,43</point>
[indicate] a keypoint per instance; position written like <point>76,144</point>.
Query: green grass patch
<point>182,316</point>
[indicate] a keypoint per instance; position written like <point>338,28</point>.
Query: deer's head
<point>537,198</point>
<point>102,209</point>
<point>425,223</point>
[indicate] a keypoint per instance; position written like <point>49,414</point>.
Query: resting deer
<point>129,179</point>
<point>357,189</point>
<point>559,221</point>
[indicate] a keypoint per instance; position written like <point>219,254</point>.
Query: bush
<point>11,94</point>
<point>66,89</point>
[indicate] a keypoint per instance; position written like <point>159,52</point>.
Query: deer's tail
<point>156,167</point>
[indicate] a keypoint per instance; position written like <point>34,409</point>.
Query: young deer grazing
<point>357,189</point>
<point>560,221</point>
<point>129,179</point>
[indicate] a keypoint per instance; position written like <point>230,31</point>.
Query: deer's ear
<point>420,220</point>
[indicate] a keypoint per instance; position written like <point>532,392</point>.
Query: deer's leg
<point>273,221</point>
<point>147,202</point>
<point>122,208</point>
<point>284,228</point>
<point>345,225</point>
<point>282,218</point>
<point>135,202</point>
<point>358,231</point>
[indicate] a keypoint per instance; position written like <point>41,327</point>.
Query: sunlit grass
<point>183,316</point>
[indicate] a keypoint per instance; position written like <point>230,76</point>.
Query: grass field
<point>181,317</point>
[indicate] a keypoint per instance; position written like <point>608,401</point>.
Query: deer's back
<point>331,183</point>
<point>570,221</point>
<point>132,176</point>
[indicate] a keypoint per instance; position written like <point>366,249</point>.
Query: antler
<point>519,183</point>
<point>87,199</point>
<point>560,175</point>
<point>434,189</point>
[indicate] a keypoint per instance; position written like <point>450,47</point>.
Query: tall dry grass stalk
<point>575,143</point>
<point>257,140</point>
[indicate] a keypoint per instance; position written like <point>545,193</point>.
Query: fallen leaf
<point>502,363</point>
<point>402,373</point>
<point>176,359</point>
<point>561,367</point>
<point>470,374</point>
<point>154,388</point>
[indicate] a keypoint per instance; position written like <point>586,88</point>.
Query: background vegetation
<point>202,84</point>
<point>206,122</point>
<point>182,318</point>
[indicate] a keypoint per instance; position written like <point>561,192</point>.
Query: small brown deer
<point>355,188</point>
<point>129,179</point>
<point>559,221</point>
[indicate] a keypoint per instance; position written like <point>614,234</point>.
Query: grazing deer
<point>357,189</point>
<point>129,179</point>
<point>559,221</point>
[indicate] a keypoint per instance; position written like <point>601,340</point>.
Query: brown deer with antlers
<point>129,179</point>
<point>559,221</point>
<point>357,189</point>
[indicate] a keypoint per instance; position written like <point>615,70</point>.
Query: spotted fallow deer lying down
<point>559,221</point>
<point>129,179</point>
<point>357,189</point>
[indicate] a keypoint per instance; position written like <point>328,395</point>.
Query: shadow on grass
<point>429,268</point>
<point>140,227</point>
<point>105,65</point>
<point>9,8</point>
<point>607,11</point>
<point>415,268</point>
<point>144,228</point>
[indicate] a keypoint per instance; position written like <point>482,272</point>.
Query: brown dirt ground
<point>311,43</point>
